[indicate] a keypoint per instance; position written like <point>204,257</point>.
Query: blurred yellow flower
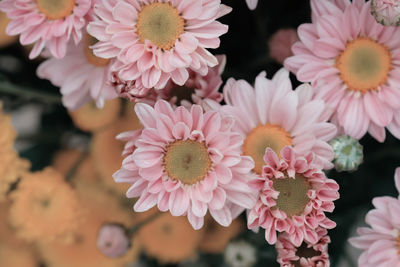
<point>44,207</point>
<point>11,166</point>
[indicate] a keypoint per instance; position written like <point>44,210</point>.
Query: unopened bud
<point>113,240</point>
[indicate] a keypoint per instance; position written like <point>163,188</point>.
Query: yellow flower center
<point>56,9</point>
<point>292,197</point>
<point>161,24</point>
<point>42,205</point>
<point>187,161</point>
<point>364,64</point>
<point>260,138</point>
<point>90,57</point>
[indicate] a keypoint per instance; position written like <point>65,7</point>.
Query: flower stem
<point>7,87</point>
<point>76,166</point>
<point>136,227</point>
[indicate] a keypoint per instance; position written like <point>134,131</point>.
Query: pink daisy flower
<point>197,87</point>
<point>157,40</point>
<point>194,91</point>
<point>352,62</point>
<point>294,196</point>
<point>307,255</point>
<point>252,4</point>
<point>273,115</point>
<point>381,242</point>
<point>187,162</point>
<point>46,23</point>
<point>87,76</point>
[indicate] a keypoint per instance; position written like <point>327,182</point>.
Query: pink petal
<point>377,110</point>
<point>218,200</point>
<point>145,202</point>
<point>222,216</point>
<point>178,202</point>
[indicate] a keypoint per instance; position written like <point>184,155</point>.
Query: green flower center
<point>161,24</point>
<point>187,161</point>
<point>56,9</point>
<point>364,64</point>
<point>292,197</point>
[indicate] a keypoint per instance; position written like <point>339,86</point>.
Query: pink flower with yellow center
<point>273,115</point>
<point>80,75</point>
<point>294,196</point>
<point>156,40</point>
<point>188,162</point>
<point>381,241</point>
<point>307,255</point>
<point>352,62</point>
<point>46,23</point>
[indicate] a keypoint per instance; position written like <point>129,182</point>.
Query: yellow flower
<point>169,239</point>
<point>65,160</point>
<point>14,252</point>
<point>11,166</point>
<point>44,207</point>
<point>217,237</point>
<point>101,207</point>
<point>89,118</point>
<point>106,150</point>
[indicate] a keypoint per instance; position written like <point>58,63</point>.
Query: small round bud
<point>113,240</point>
<point>348,153</point>
<point>386,12</point>
<point>240,254</point>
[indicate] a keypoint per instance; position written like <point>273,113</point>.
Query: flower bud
<point>348,153</point>
<point>113,240</point>
<point>386,12</point>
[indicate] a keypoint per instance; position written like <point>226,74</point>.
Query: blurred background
<point>81,146</point>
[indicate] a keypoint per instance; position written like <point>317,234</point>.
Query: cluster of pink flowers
<point>381,242</point>
<point>260,149</point>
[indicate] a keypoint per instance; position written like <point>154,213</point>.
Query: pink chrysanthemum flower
<point>158,40</point>
<point>197,87</point>
<point>46,23</point>
<point>252,4</point>
<point>133,90</point>
<point>386,12</point>
<point>352,63</point>
<point>307,255</point>
<point>273,115</point>
<point>381,242</point>
<point>194,91</point>
<point>81,75</point>
<point>294,197</point>
<point>187,162</point>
